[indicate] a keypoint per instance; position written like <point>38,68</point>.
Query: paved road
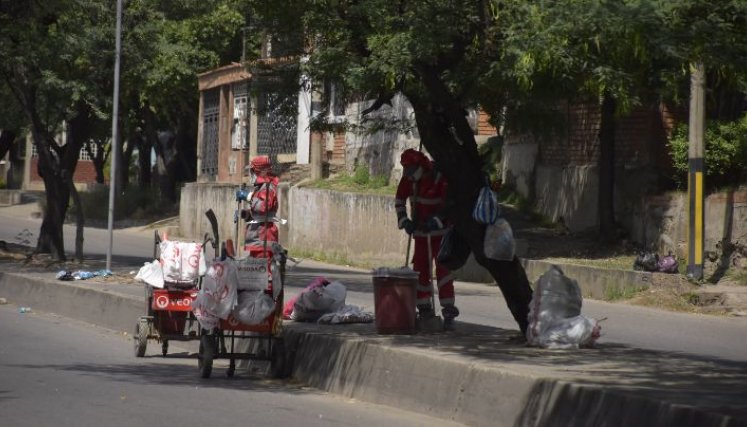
<point>711,337</point>
<point>59,372</point>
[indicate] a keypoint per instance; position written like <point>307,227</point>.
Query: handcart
<point>262,341</point>
<point>168,311</point>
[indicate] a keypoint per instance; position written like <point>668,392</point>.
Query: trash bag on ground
<point>312,303</point>
<point>347,314</point>
<point>667,264</point>
<point>454,250</point>
<point>646,261</point>
<point>555,319</point>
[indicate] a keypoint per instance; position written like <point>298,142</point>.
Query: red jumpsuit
<point>427,196</point>
<point>261,228</point>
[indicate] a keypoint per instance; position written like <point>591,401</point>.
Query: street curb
<point>100,307</point>
<point>385,371</point>
<point>430,374</point>
<point>594,282</point>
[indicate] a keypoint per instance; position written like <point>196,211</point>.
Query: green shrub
<point>725,153</point>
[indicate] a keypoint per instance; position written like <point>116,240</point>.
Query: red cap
<point>412,157</point>
<point>260,163</point>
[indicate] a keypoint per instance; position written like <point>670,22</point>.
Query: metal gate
<point>276,125</point>
<point>210,115</point>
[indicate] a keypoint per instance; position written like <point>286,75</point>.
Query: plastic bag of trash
<point>182,262</point>
<point>454,250</point>
<point>203,307</point>
<point>150,273</point>
<point>555,319</point>
<point>220,284</point>
<point>315,302</point>
<point>253,307</point>
<point>499,243</point>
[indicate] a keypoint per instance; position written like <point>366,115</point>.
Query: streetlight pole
<point>696,169</point>
<point>115,136</point>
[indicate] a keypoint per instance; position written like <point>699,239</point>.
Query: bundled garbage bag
<point>218,295</point>
<point>555,319</point>
<point>150,273</point>
<point>499,243</point>
<point>182,262</point>
<point>253,307</point>
<point>646,261</point>
<point>318,298</point>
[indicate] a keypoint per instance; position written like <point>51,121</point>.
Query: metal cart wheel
<point>164,347</point>
<point>279,363</point>
<point>141,337</point>
<point>205,355</point>
<point>231,368</point>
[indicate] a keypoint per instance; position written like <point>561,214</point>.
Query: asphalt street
<point>59,372</point>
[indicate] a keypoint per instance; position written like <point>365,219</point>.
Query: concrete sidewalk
<point>477,376</point>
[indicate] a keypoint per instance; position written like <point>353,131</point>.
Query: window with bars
<point>210,117</point>
<point>240,127</point>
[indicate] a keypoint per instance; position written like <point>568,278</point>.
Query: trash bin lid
<point>400,272</point>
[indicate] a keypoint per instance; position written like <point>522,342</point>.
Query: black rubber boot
<point>425,311</point>
<point>449,312</point>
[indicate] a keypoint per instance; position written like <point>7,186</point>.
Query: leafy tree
<point>41,43</point>
<point>436,53</point>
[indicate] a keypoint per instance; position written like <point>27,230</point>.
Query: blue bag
<point>486,209</point>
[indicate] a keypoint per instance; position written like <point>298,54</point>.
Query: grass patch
<point>618,293</point>
<point>361,181</point>
<point>334,257</point>
<point>621,262</point>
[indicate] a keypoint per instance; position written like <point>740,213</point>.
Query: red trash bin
<point>394,300</point>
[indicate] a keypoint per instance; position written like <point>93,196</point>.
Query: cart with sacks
<point>239,307</point>
<point>172,282</point>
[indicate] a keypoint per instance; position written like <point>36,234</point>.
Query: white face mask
<point>414,173</point>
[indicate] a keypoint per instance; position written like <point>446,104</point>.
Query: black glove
<point>408,226</point>
<point>433,224</point>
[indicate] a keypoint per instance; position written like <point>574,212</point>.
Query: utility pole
<point>696,169</point>
<point>115,136</point>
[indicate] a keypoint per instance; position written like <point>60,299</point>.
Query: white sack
<point>151,273</point>
<point>253,307</point>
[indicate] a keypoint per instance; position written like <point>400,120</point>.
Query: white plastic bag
<point>312,304</point>
<point>151,273</point>
<point>252,274</point>
<point>499,243</point>
<point>203,307</point>
<point>220,283</point>
<point>555,319</point>
<point>253,307</point>
<point>182,262</point>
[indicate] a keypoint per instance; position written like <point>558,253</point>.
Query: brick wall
<point>640,138</point>
<point>85,172</point>
<point>483,125</point>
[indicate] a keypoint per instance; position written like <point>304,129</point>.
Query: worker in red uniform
<point>261,230</point>
<point>426,189</point>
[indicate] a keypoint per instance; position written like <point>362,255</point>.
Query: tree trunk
<point>606,207</point>
<point>7,137</point>
<point>446,134</point>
